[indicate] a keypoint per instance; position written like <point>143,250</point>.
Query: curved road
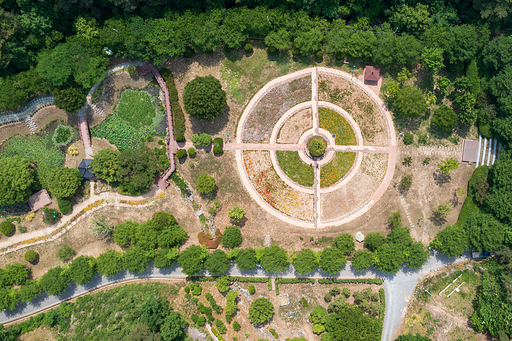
<point>399,287</point>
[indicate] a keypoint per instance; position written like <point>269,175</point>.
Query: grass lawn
<point>119,132</point>
<point>135,107</point>
<point>336,124</point>
<point>42,150</point>
<point>337,168</point>
<point>296,170</point>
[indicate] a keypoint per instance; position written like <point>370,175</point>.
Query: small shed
<point>371,74</point>
<point>85,169</point>
<point>39,200</point>
<point>470,151</point>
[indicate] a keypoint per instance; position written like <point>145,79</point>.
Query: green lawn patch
<point>296,170</point>
<point>40,150</point>
<point>119,132</point>
<point>335,170</point>
<point>135,107</point>
<point>336,124</point>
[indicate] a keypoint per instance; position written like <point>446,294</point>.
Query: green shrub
<point>62,135</point>
<point>162,143</point>
<point>319,55</point>
<point>316,146</point>
<point>132,70</point>
<point>31,256</point>
<point>295,52</point>
<point>204,98</point>
<point>340,55</point>
<point>150,138</point>
<point>7,228</point>
<point>201,140</point>
<point>248,48</point>
<point>178,136</point>
<point>220,326</point>
<point>236,326</point>
<point>181,153</point>
<point>217,146</point>
<point>205,184</point>
<point>189,52</point>
<point>408,138</point>
<point>65,253</point>
<point>252,289</point>
<point>191,151</point>
<point>177,111</point>
<point>327,297</point>
<point>64,205</point>
<point>470,206</point>
<point>50,215</point>
<point>274,333</point>
<point>22,229</point>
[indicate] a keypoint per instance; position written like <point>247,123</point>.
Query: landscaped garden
<point>335,170</point>
<point>337,125</point>
<point>295,168</point>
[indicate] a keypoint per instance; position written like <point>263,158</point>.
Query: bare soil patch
<point>364,111</point>
<point>295,126</point>
<point>40,334</point>
<point>272,106</point>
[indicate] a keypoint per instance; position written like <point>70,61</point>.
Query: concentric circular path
<point>318,221</point>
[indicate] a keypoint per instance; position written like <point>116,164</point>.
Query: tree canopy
<point>204,98</point>
<point>192,258</point>
<point>64,182</point>
<point>274,259</point>
<point>217,263</point>
<point>105,165</point>
<point>305,262</point>
<point>410,102</point>
<point>484,232</point>
<point>17,177</point>
<point>261,310</point>
<point>232,237</point>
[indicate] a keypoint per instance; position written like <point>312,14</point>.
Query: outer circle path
<point>318,222</point>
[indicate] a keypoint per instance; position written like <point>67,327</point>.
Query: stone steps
<point>31,124</point>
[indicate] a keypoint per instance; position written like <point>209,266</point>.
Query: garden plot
<point>364,111</point>
<point>273,190</point>
<point>357,191</point>
<point>295,126</point>
<point>338,126</point>
<point>335,170</point>
<point>272,106</point>
<point>295,168</point>
<point>375,165</point>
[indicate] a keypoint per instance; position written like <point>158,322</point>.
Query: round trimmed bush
<point>62,135</point>
<point>178,136</point>
<point>248,48</point>
<point>316,146</point>
<point>319,55</point>
<point>232,237</point>
<point>217,145</point>
<point>204,98</point>
<point>408,138</point>
<point>445,118</point>
<point>252,289</point>
<point>181,153</point>
<point>191,151</point>
<point>205,184</point>
<point>261,310</point>
<point>7,228</point>
<point>31,256</point>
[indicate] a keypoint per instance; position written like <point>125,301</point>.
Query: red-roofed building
<point>39,200</point>
<point>371,74</point>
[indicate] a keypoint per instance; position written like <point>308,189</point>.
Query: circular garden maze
<point>316,147</point>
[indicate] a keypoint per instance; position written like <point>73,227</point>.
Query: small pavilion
<point>85,169</point>
<point>39,200</point>
<point>371,74</point>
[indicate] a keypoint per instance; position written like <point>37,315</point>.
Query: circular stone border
<point>324,159</point>
<point>314,72</point>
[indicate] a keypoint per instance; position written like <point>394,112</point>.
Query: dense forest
<point>47,46</point>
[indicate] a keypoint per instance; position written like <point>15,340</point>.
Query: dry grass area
<point>272,106</point>
<point>82,240</point>
<point>52,113</point>
<point>364,111</point>
<point>9,130</point>
<point>40,334</point>
<point>295,126</point>
<point>72,161</point>
<point>429,189</point>
<point>441,317</point>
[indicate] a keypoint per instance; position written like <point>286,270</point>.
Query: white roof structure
<point>359,237</point>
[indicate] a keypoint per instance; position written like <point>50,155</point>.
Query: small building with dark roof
<point>85,169</point>
<point>371,74</point>
<point>39,200</point>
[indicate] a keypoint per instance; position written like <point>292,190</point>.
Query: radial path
<point>273,146</point>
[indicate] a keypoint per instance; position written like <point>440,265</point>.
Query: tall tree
<point>16,178</point>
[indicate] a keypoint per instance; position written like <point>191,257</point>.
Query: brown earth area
<point>295,126</point>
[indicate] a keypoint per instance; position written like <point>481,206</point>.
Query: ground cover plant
<point>135,107</point>
<point>337,125</point>
<point>335,170</point>
<point>62,135</point>
<point>295,169</point>
<point>36,149</point>
<point>120,133</point>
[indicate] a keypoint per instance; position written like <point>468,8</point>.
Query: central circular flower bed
<point>316,146</point>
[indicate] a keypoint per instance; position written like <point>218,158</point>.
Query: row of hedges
<point>182,185</point>
<point>382,296</point>
<point>234,279</point>
<point>351,281</point>
<point>177,111</point>
<point>470,206</point>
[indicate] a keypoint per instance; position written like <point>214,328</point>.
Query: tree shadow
<point>437,219</point>
<point>440,178</point>
<point>241,223</point>
<point>211,127</point>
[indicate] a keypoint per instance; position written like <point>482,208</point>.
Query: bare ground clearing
<point>295,126</point>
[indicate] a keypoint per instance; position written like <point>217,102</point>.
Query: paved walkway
<point>273,146</point>
<point>399,287</point>
<point>115,197</point>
